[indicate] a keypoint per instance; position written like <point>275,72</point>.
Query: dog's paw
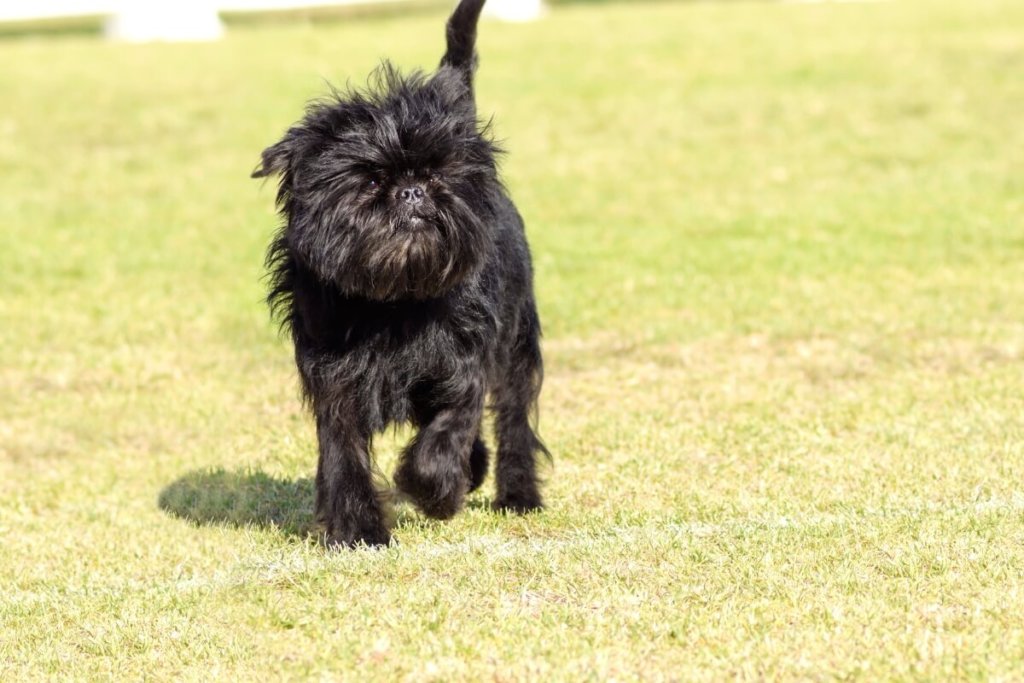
<point>443,509</point>
<point>520,502</point>
<point>438,493</point>
<point>435,500</point>
<point>348,539</point>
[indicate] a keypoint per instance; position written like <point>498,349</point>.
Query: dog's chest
<point>391,357</point>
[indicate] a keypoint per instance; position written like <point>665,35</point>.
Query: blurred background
<point>204,19</point>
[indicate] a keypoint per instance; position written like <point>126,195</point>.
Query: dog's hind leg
<point>478,462</point>
<point>347,503</point>
<point>515,400</point>
<point>436,469</point>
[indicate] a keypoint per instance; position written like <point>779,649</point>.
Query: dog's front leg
<point>435,470</point>
<point>347,503</point>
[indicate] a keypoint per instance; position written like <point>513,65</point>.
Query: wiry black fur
<point>404,277</point>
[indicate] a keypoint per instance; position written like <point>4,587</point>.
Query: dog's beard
<point>391,254</point>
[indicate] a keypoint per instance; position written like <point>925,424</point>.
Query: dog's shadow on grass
<point>251,498</point>
<point>242,499</point>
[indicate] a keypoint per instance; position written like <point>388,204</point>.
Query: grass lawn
<point>780,262</point>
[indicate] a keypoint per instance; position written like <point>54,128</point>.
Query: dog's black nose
<point>412,195</point>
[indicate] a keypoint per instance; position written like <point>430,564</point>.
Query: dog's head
<point>388,193</point>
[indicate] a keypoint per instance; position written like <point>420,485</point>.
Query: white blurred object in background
<point>184,20</point>
<point>141,21</point>
<point>514,10</point>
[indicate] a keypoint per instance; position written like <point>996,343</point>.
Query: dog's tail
<point>461,52</point>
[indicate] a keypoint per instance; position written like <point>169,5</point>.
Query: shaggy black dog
<point>404,277</point>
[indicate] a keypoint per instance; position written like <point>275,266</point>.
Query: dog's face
<point>388,194</point>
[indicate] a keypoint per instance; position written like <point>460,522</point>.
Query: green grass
<point>779,259</point>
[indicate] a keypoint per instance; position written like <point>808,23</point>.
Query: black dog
<point>404,277</point>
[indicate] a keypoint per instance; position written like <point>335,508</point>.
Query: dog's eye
<point>373,184</point>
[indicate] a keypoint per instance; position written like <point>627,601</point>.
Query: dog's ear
<point>279,158</point>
